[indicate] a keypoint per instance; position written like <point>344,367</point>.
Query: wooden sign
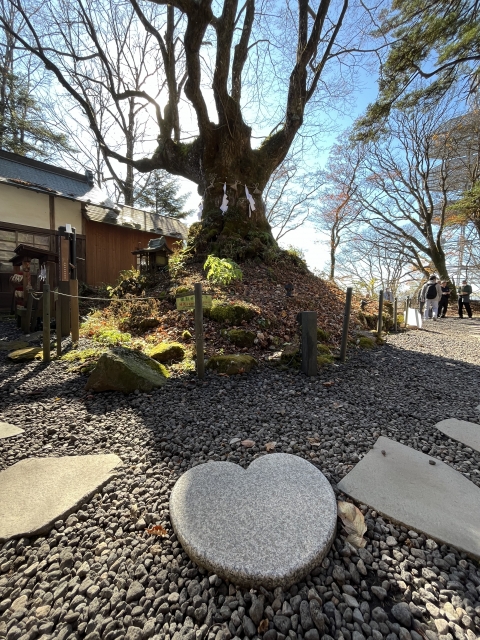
<point>185,303</point>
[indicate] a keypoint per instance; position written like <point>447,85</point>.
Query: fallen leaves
<point>330,383</point>
<point>263,626</point>
<point>270,446</point>
<point>155,549</point>
<point>157,530</point>
<point>248,444</point>
<point>353,522</point>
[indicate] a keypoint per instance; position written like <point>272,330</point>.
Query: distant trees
<point>159,193</point>
<point>24,127</point>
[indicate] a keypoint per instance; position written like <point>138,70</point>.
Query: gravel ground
<point>99,575</point>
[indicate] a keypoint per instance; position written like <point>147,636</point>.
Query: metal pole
<point>199,331</point>
<point>46,322</point>
<point>58,325</point>
<point>407,306</point>
<point>346,322</point>
<point>380,314</point>
<point>395,302</point>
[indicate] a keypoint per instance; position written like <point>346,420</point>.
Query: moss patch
<point>291,356</point>
<point>230,313</point>
<point>25,355</point>
<point>322,335</point>
<point>324,360</point>
<point>366,343</point>
<point>232,364</point>
<point>241,338</point>
<point>323,349</point>
<point>167,352</point>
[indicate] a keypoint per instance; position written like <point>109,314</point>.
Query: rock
<point>37,492</point>
<point>391,541</point>
<point>317,616</point>
<point>312,634</point>
<point>7,430</point>
<point>241,338</point>
<point>305,617</point>
<point>25,355</point>
<point>134,633</point>
<point>127,371</point>
<point>256,610</point>
<point>167,352</point>
<point>402,613</point>
<point>13,345</point>
<point>232,364</point>
<point>380,592</point>
<point>281,487</point>
<point>232,313</point>
<point>282,624</point>
<point>135,592</point>
<point>350,601</point>
<point>248,627</point>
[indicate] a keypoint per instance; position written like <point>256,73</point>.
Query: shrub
<point>132,282</point>
<point>177,262</point>
<point>222,270</point>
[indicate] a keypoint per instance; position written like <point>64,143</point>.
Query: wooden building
<point>36,198</point>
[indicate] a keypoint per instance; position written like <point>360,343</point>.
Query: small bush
<point>177,262</point>
<point>130,282</point>
<point>222,270</point>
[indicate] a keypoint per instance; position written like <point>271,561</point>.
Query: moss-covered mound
<point>167,352</point>
<point>230,313</point>
<point>127,371</point>
<point>365,342</point>
<point>241,338</point>
<point>324,360</point>
<point>231,365</point>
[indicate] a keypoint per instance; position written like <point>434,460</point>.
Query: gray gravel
<point>98,575</point>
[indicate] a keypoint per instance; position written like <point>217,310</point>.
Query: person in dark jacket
<point>464,299</point>
<point>443,304</point>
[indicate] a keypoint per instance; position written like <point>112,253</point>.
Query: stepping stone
<point>268,525</point>
<point>402,485</point>
<point>13,345</point>
<point>7,430</point>
<point>466,432</point>
<point>37,492</point>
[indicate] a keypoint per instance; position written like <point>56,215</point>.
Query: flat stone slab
<point>402,485</point>
<point>7,430</point>
<point>268,525</point>
<point>37,492</point>
<point>466,432</point>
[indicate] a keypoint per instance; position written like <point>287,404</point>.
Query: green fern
<point>222,270</point>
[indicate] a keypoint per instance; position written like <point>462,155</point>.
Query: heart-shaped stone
<point>268,525</point>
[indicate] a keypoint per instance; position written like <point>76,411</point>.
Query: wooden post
<point>346,322</point>
<point>395,304</point>
<point>58,324</point>
<point>199,331</point>
<point>75,314</point>
<point>46,323</point>
<point>309,343</point>
<point>380,314</point>
<point>407,306</point>
<point>27,318</point>
<point>64,287</point>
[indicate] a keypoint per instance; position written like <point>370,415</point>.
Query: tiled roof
<point>39,176</point>
<point>138,219</point>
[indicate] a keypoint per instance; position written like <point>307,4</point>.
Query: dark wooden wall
<point>109,250</point>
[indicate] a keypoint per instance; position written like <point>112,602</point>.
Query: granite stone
<point>268,525</point>
<point>7,430</point>
<point>37,492</point>
<point>466,432</point>
<point>399,483</point>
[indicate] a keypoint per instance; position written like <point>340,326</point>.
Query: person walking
<point>443,304</point>
<point>464,299</point>
<point>431,294</point>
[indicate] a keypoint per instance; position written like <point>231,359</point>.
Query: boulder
<point>167,352</point>
<point>13,345</point>
<point>234,313</point>
<point>127,371</point>
<point>232,364</point>
<point>24,355</point>
<point>241,338</point>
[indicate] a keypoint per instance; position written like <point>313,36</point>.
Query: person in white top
<point>431,294</point>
